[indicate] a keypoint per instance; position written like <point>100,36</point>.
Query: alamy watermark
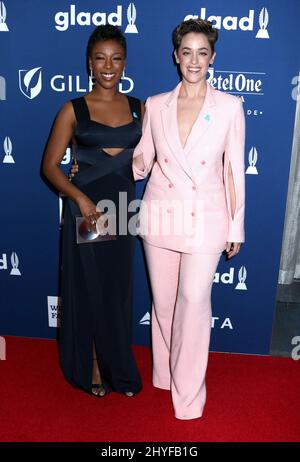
<point>164,217</point>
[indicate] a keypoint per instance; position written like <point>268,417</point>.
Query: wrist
<point>79,199</point>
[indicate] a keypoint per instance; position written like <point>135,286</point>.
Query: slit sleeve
<point>234,175</point>
<point>145,148</point>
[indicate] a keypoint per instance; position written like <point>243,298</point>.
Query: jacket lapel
<point>170,127</point>
<point>203,121</point>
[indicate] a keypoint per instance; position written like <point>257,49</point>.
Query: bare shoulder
<point>66,113</point>
<point>67,109</point>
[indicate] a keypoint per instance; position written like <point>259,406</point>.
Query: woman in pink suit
<point>192,210</point>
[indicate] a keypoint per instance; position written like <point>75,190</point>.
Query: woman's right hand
<point>88,211</point>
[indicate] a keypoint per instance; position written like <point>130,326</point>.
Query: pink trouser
<point>181,324</point>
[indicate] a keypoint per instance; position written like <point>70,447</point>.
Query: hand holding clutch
<point>101,231</point>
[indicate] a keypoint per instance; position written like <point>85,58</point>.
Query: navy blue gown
<point>97,277</point>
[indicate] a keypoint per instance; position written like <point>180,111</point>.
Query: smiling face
<point>107,61</point>
<point>194,57</point>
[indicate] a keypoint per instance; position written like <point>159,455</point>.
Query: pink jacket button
<point>170,186</point>
<point>193,214</point>
<point>203,162</point>
<point>166,160</point>
<point>194,188</point>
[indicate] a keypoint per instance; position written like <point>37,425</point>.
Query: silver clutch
<point>85,233</point>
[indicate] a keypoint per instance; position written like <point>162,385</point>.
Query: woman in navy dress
<point>105,126</point>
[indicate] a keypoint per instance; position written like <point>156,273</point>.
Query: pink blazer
<point>186,204</point>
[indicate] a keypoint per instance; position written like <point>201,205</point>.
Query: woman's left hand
<point>232,248</point>
<point>74,170</point>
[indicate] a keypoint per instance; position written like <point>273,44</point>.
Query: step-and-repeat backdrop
<point>42,65</point>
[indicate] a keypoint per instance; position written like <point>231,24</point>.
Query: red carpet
<point>250,398</point>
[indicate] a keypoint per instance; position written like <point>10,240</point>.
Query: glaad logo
<point>30,82</point>
<point>3,25</point>
<point>145,321</point>
<point>2,88</point>
<point>8,158</point>
<point>131,18</point>
<point>227,278</point>
<point>245,24</point>
<point>53,311</point>
<point>242,278</point>
<point>263,23</point>
<point>2,348</point>
<point>252,158</point>
<point>14,263</point>
<point>65,19</point>
<point>236,82</point>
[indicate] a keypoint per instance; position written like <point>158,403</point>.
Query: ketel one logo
<point>7,145</point>
<point>237,82</point>
<point>14,263</point>
<point>3,25</point>
<point>252,158</point>
<point>30,82</point>
<point>245,23</point>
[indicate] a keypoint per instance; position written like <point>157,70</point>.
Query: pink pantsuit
<point>185,221</point>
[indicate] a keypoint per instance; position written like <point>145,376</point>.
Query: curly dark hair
<point>195,25</point>
<point>103,33</point>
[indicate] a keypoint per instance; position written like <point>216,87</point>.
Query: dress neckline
<point>105,125</point>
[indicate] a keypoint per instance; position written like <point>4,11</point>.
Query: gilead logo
<point>30,82</point>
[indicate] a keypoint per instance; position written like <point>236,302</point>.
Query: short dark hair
<point>104,33</point>
<point>195,25</point>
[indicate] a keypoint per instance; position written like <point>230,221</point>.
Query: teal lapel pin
<point>207,117</point>
<point>134,115</point>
